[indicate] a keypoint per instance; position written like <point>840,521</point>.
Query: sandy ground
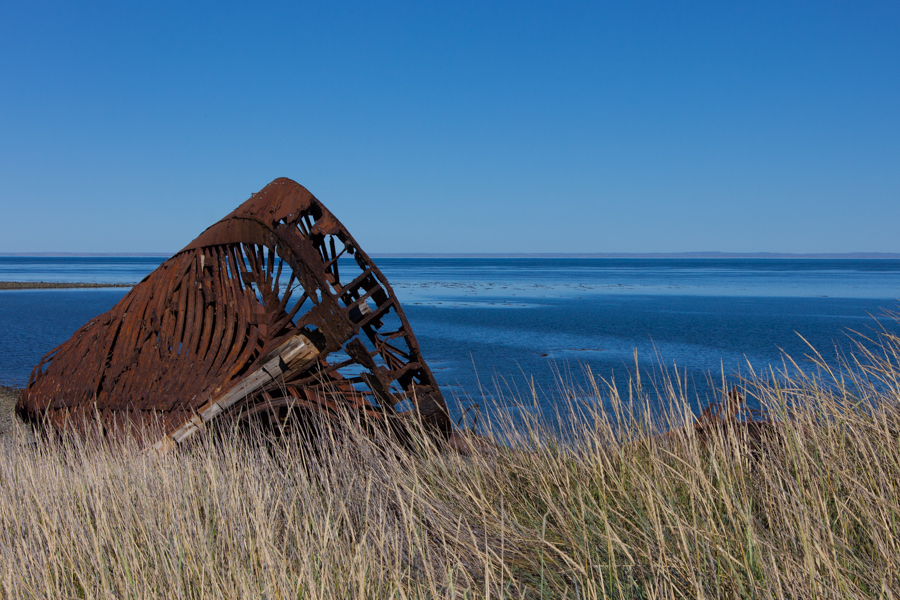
<point>8,421</point>
<point>8,397</point>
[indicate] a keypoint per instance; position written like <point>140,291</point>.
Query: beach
<point>8,398</point>
<point>56,285</point>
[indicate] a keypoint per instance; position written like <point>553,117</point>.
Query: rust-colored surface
<point>255,316</point>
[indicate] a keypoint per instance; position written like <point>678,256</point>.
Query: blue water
<point>517,320</point>
<point>80,269</point>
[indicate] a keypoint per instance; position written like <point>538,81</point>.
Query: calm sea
<point>484,323</point>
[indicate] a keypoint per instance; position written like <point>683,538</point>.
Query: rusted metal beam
<point>253,311</point>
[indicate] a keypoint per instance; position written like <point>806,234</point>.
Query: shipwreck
<point>274,312</point>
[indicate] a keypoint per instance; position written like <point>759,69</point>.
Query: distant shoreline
<point>661,255</point>
<point>87,254</point>
<point>54,285</point>
<point>723,255</point>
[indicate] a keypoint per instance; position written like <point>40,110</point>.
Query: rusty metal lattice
<point>256,316</point>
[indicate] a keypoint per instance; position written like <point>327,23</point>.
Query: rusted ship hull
<point>256,316</point>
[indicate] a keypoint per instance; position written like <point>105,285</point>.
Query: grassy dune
<point>595,505</point>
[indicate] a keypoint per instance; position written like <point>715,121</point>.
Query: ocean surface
<point>490,328</point>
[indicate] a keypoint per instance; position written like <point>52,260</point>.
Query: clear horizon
<point>699,255</point>
<point>472,128</point>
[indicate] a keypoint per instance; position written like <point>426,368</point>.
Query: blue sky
<point>456,127</point>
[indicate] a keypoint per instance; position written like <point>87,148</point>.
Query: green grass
<point>593,505</point>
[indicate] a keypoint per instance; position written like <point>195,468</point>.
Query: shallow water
<point>78,269</point>
<point>518,319</point>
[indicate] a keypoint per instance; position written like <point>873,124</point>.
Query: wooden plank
<point>290,357</point>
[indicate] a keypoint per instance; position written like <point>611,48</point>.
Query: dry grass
<point>596,505</point>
